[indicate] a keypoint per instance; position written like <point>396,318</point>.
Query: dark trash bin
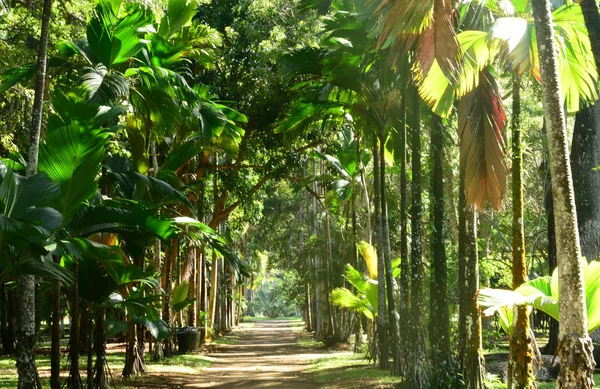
<point>188,339</point>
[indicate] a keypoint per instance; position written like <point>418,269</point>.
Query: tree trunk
<point>100,380</point>
<point>552,345</point>
<point>7,333</point>
<point>391,286</point>
<point>404,257</point>
<point>191,262</point>
<point>474,366</point>
<point>74,381</point>
<point>26,367</point>
<point>521,351</point>
<point>462,272</point>
<point>90,349</point>
<point>577,363</point>
<point>213,298</point>
<point>170,259</point>
<point>440,323</point>
<point>158,353</point>
<point>56,322</point>
<point>382,326</point>
<point>416,375</point>
<point>133,361</point>
<point>585,156</point>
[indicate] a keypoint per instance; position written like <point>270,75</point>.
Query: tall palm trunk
<point>74,381</point>
<point>212,310</point>
<point>462,272</point>
<point>382,325</point>
<point>575,350</point>
<point>440,323</point>
<point>101,379</point>
<point>474,365</point>
<point>55,347</point>
<point>404,258</point>
<point>26,367</point>
<point>521,352</point>
<point>391,286</point>
<point>552,345</point>
<point>134,354</point>
<point>167,313</point>
<point>417,369</point>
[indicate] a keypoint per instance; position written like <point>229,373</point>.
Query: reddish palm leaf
<point>439,42</point>
<point>481,121</point>
<point>405,17</point>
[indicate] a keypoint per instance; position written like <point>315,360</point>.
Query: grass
<point>261,318</point>
<point>349,369</point>
<point>181,366</point>
<point>307,341</point>
<point>226,340</point>
<point>552,385</point>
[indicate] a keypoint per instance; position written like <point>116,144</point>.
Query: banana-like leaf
<point>481,121</point>
<point>344,298</point>
<point>542,294</point>
<point>370,256</point>
<point>180,300</point>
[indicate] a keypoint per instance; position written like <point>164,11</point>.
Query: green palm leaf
<point>72,156</point>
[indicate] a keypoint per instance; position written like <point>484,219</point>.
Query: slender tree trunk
<point>474,372</point>
<point>100,380</point>
<point>26,367</point>
<point>74,381</point>
<point>404,257</point>
<point>440,323</point>
<point>56,322</point>
<point>575,350</point>
<point>189,271</point>
<point>521,352</point>
<point>417,370</point>
<point>382,325</point>
<point>170,259</point>
<point>391,286</point>
<point>462,271</point>
<point>90,349</point>
<point>7,334</point>
<point>214,271</point>
<point>328,283</point>
<point>552,345</point>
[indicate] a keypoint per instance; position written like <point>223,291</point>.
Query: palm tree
<point>26,367</point>
<point>576,346</point>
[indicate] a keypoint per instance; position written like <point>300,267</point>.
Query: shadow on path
<point>266,355</point>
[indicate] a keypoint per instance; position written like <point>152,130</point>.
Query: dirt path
<point>266,355</point>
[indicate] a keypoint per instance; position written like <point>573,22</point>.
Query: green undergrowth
<point>348,369</point>
<point>178,365</point>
